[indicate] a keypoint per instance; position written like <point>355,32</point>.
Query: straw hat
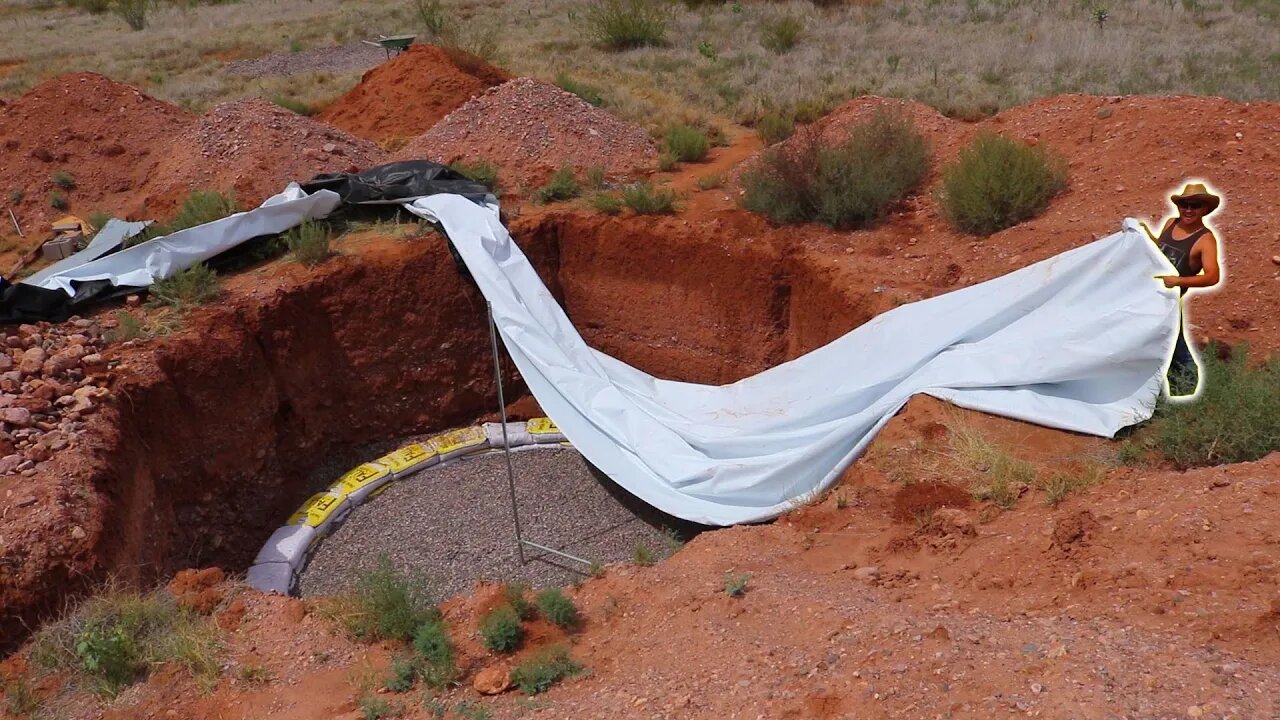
<point>1199,192</point>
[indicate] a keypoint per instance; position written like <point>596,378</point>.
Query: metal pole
<point>553,551</point>
<point>506,443</point>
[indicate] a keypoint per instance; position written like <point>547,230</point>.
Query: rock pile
<point>529,129</point>
<point>51,377</point>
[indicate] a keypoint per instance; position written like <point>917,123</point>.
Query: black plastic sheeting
<point>397,182</point>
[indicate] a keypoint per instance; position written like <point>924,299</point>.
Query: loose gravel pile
<point>453,525</point>
<point>403,98</point>
<point>254,147</point>
<point>529,129</point>
<point>336,59</point>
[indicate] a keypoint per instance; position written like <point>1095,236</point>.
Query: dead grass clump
<point>844,185</point>
<point>996,183</point>
<point>1059,485</point>
<point>196,285</point>
<point>775,126</point>
<point>781,34</point>
<point>995,474</point>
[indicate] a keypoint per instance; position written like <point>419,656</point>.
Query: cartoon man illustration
<point>1192,248</point>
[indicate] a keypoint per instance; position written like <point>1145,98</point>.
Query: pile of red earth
<point>106,136</point>
<point>402,98</point>
<point>529,129</point>
<point>50,378</point>
<point>253,148</point>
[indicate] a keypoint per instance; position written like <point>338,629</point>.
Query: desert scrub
<point>849,184</point>
<point>386,605</point>
<point>133,12</point>
<point>431,16</point>
<point>309,242</point>
<point>558,608</point>
<point>64,180</point>
<point>543,669</point>
<point>403,673</point>
<point>775,127</point>
<point>1235,418</point>
<point>710,182</point>
<point>480,171</point>
<point>514,593</point>
<point>294,105</point>
<point>625,24</point>
<point>781,34</point>
<point>500,629</point>
<point>643,556</point>
<point>116,638</point>
<point>587,92</point>
<point>996,183</point>
<point>562,186</point>
<point>133,327</point>
<point>735,584</point>
<point>687,143</point>
<point>436,657</point>
<point>606,203</point>
<point>1058,485</point>
<point>996,475</point>
<point>644,199</point>
<point>197,208</point>
<point>196,285</point>
<point>58,201</point>
<point>376,708</point>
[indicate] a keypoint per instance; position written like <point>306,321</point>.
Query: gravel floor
<point>452,525</point>
<point>336,59</point>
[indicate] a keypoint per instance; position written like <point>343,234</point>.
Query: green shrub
<point>595,177</point>
<point>15,196</point>
<point>58,201</point>
<point>403,672</point>
<point>387,605</point>
<point>93,7</point>
<point>376,708</point>
<point>479,171</point>
<point>846,185</point>
<point>606,203</point>
<point>98,219</point>
<point>468,710</point>
<point>114,639</point>
<point>687,143</point>
<point>432,16</point>
<point>558,608</point>
<point>19,697</point>
<point>64,180</point>
<point>501,629</point>
<point>589,93</point>
<point>1235,418</point>
<point>562,186</point>
<point>515,595</point>
<point>644,199</point>
<point>1059,485</point>
<point>293,105</point>
<point>437,662</point>
<point>643,556</point>
<point>131,327</point>
<point>775,127</point>
<point>309,242</point>
<point>194,286</point>
<point>623,24</point>
<point>996,183</point>
<point>735,584</point>
<point>133,12</point>
<point>543,669</point>
<point>253,675</point>
<point>781,34</point>
<point>710,182</point>
<point>997,476</point>
<point>668,162</point>
<point>200,207</point>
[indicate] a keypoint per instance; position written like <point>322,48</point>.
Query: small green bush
<point>515,595</point>
<point>200,207</point>
<point>19,697</point>
<point>437,664</point>
<point>468,710</point>
<point>595,177</point>
<point>432,16</point>
<point>58,201</point>
<point>98,219</point>
<point>668,162</point>
<point>781,34</point>
<point>387,605</point>
<point>846,185</point>
<point>624,24</point>
<point>194,286</point>
<point>687,143</point>
<point>1235,418</point>
<point>480,171</point>
<point>643,556</point>
<point>1059,485</point>
<point>606,203</point>
<point>309,242</point>
<point>775,127</point>
<point>501,629</point>
<point>133,12</point>
<point>376,708</point>
<point>403,673</point>
<point>15,196</point>
<point>996,183</point>
<point>589,93</point>
<point>710,182</point>
<point>293,104</point>
<point>544,669</point>
<point>556,607</point>
<point>64,180</point>
<point>93,7</point>
<point>644,199</point>
<point>562,186</point>
<point>735,584</point>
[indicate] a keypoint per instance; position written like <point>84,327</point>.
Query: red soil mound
<point>104,134</point>
<point>406,96</point>
<point>253,148</point>
<point>529,129</point>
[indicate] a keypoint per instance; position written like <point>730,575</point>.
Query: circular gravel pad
<point>452,525</point>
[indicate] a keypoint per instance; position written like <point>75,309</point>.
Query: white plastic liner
<point>106,239</point>
<point>159,258</point>
<point>1079,342</point>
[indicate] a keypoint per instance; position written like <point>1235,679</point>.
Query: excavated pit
<point>222,429</point>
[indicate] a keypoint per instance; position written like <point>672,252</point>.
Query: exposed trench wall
<point>209,446</point>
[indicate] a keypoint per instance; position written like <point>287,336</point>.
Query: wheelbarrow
<point>398,43</point>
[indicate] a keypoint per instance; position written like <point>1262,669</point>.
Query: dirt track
<point>1151,595</point>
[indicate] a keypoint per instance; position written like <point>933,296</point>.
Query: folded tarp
<point>1078,342</point>
<point>394,183</point>
<point>107,239</point>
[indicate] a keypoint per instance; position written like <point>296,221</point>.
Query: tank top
<point>1179,251</point>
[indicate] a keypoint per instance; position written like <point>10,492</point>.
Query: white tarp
<point>159,258</point>
<point>104,241</point>
<point>1079,342</point>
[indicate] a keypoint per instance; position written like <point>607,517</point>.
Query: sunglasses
<point>1192,205</point>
